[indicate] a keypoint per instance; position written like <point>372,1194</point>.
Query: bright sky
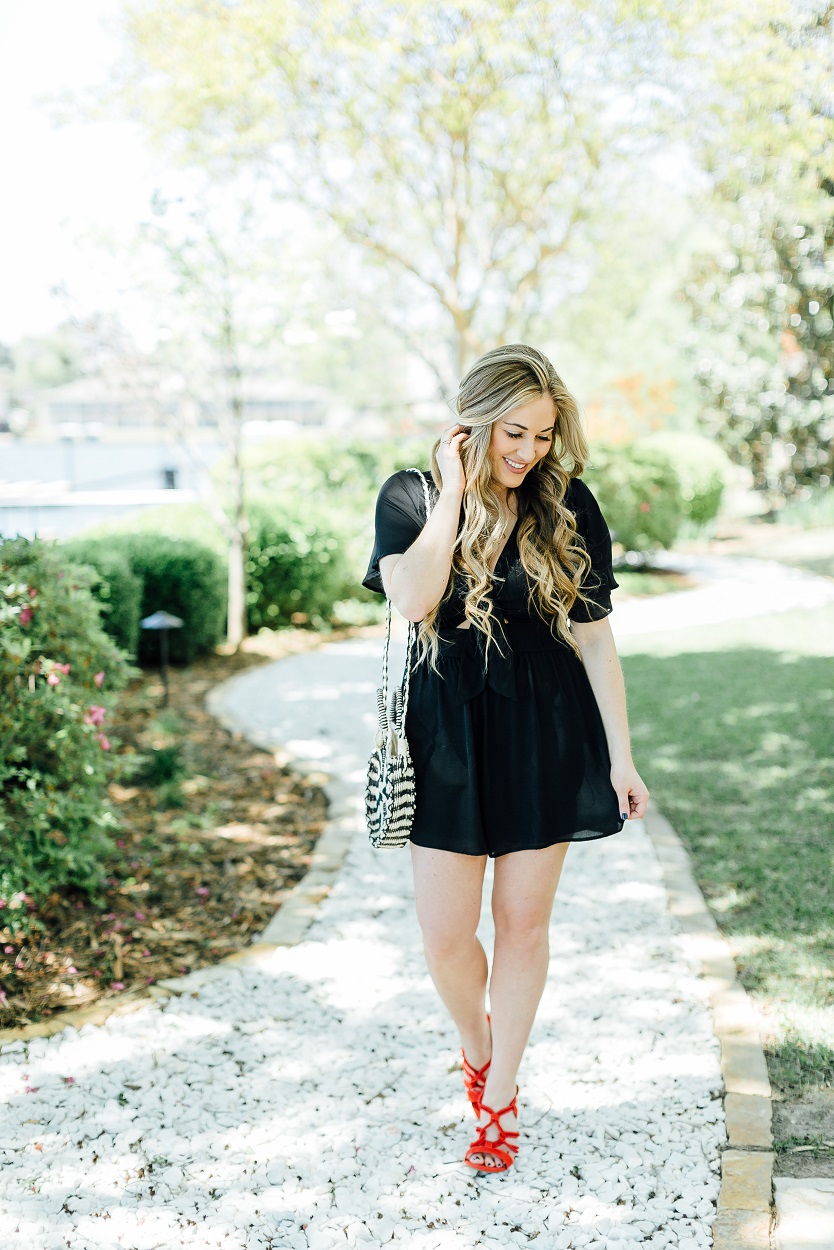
<point>59,181</point>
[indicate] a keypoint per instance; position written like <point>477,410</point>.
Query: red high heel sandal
<point>500,1148</point>
<point>474,1080</point>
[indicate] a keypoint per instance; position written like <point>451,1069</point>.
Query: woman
<point>517,716</point>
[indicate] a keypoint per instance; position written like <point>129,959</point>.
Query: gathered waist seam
<point>521,634</point>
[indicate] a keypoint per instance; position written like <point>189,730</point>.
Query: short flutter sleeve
<point>599,581</point>
<point>400,516</point>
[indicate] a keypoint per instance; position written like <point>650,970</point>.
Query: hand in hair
<point>447,453</point>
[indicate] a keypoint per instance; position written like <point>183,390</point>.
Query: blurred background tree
<point>763,293</point>
<point>476,154</point>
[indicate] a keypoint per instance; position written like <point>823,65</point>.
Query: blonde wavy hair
<point>551,552</point>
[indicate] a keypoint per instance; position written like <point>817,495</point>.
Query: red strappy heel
<point>474,1080</point>
<point>500,1148</point>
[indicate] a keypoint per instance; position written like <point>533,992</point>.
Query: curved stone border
<point>745,1200</point>
<point>286,928</point>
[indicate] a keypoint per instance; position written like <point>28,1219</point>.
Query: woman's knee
<point>445,937</point>
<point>521,930</point>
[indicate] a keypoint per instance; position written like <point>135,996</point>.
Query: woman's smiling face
<point>519,440</point>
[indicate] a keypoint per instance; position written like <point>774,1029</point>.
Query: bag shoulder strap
<point>400,710</point>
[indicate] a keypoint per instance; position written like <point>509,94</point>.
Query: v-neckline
<point>507,542</point>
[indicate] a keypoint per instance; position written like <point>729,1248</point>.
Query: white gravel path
<point>312,1102</point>
<point>315,1100</point>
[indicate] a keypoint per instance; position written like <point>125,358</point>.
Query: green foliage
<point>160,765</point>
<point>732,726</point>
<point>766,366</point>
<point>797,1065</point>
<point>343,477</point>
<point>116,587</point>
<point>184,578</point>
<point>138,574</point>
<point>761,294</point>
<point>639,493</point>
<point>58,671</point>
<point>702,468</point>
<point>293,567</point>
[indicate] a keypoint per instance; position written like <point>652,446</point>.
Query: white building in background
<point>96,448</point>
<point>101,408</point>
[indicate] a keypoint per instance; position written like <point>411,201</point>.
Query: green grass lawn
<point>732,730</point>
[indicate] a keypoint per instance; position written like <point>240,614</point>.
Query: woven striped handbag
<point>390,792</point>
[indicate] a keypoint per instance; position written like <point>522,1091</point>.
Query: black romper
<point>510,754</point>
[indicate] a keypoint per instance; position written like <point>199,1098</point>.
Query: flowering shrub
<point>58,673</point>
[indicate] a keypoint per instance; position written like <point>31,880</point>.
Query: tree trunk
<point>236,618</point>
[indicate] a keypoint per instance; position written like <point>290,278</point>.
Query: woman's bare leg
<point>522,901</point>
<point>448,889</point>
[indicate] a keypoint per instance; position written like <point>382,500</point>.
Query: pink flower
<point>99,678</point>
<point>72,971</point>
<point>645,507</point>
<point>117,985</point>
<point>32,1089</point>
<point>203,890</point>
<point>103,742</point>
<point>32,592</point>
<point>149,980</point>
<point>53,680</point>
<point>8,950</point>
<point>26,615</point>
<point>96,714</point>
<point>65,668</point>
<point>138,915</point>
<point>68,1080</point>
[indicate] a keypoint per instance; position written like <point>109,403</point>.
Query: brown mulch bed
<point>213,834</point>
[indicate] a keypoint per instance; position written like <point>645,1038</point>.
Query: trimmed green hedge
<point>116,587</point>
<point>187,579</point>
<point>294,568</point>
<point>138,574</point>
<point>703,469</point>
<point>639,492</point>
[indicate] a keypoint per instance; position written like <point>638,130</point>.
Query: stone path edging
<point>744,1214</point>
<point>286,928</point>
<point>298,910</point>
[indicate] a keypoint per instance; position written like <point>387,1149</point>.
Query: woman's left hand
<point>632,792</point>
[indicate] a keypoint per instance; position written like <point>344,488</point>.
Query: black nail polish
<point>624,815</point>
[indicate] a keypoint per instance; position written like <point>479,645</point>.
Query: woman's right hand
<point>448,457</point>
